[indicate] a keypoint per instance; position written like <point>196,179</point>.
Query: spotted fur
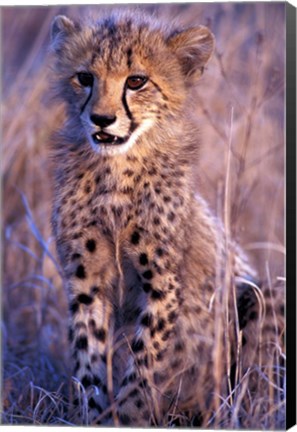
<point>143,258</point>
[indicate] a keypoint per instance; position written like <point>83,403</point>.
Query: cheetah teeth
<point>105,138</point>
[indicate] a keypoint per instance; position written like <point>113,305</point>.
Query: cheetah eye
<point>136,82</point>
<point>86,79</point>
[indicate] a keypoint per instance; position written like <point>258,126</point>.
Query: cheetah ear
<point>193,48</point>
<point>61,28</point>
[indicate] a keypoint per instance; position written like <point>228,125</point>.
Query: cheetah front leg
<point>91,278</point>
<point>146,380</point>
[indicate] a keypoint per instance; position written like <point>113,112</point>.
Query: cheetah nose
<point>102,120</point>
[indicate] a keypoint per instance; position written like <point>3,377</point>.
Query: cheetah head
<point>126,77</point>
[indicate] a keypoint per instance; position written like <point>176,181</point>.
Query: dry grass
<point>245,82</point>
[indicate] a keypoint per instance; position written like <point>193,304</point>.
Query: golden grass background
<point>244,82</point>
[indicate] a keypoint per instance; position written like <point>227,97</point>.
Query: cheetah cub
<point>140,252</point>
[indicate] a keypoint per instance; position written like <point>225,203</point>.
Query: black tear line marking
<point>124,101</point>
<point>86,102</point>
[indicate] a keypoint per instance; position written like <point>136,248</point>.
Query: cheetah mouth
<point>107,139</point>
